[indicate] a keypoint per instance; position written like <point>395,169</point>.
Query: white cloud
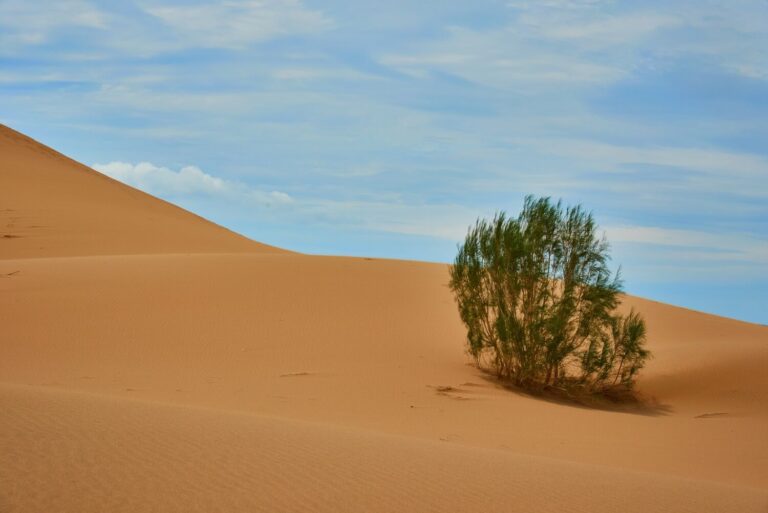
<point>609,30</point>
<point>230,24</point>
<point>329,72</point>
<point>668,255</point>
<point>698,159</point>
<point>188,180</point>
<point>701,245</point>
<point>502,59</point>
<point>692,169</point>
<point>528,5</point>
<point>25,23</point>
<point>544,44</point>
<point>559,42</point>
<point>441,221</point>
<point>236,24</point>
<point>729,35</point>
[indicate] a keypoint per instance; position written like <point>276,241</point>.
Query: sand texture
<point>153,361</point>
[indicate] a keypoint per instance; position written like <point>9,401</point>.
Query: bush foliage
<point>539,301</point>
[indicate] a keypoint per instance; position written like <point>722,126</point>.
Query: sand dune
<point>152,361</point>
<point>51,205</point>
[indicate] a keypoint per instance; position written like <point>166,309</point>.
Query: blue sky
<point>385,129</point>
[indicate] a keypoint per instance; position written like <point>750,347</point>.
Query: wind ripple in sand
<point>78,453</point>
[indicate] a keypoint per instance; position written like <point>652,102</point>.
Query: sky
<point>386,128</point>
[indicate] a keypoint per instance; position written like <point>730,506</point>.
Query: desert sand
<point>153,361</point>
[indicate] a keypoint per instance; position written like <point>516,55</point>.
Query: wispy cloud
<point>31,23</point>
<point>729,36</point>
<point>188,180</point>
<point>545,43</point>
<point>616,30</point>
<point>237,24</point>
<point>438,221</point>
<point>502,59</point>
<point>699,159</point>
<point>233,25</point>
<point>700,245</point>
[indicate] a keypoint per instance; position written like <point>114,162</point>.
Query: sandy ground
<point>153,361</point>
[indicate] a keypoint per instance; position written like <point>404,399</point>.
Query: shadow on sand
<point>633,403</point>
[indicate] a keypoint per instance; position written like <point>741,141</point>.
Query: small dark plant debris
<point>711,415</point>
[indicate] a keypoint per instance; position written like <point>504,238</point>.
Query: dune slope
<point>51,205</point>
<point>230,376</point>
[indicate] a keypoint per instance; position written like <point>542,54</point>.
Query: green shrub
<point>539,301</point>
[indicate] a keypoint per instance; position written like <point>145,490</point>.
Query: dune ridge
<point>51,205</point>
<point>153,361</point>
